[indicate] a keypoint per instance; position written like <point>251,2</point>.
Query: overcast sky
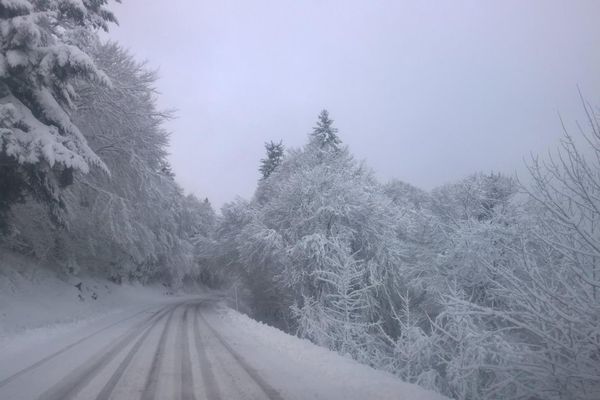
<point>427,92</point>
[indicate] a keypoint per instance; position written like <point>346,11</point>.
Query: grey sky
<point>425,91</point>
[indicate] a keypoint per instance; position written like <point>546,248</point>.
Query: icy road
<point>189,350</point>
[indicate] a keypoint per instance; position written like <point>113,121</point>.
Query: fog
<point>426,92</point>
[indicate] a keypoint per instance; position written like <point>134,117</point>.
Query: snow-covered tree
<point>135,223</point>
<point>525,285</point>
<point>552,296</point>
<point>272,160</point>
<point>320,235</point>
<point>471,290</point>
<point>340,317</point>
<point>407,196</point>
<point>324,135</point>
<point>473,198</point>
<point>40,145</point>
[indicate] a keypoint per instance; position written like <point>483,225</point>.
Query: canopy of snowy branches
<point>480,289</point>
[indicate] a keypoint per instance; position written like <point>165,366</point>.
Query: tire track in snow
<point>211,387</point>
<point>187,380</point>
<point>269,391</point>
<point>109,387</point>
<point>74,382</point>
<point>153,376</point>
<point>44,360</point>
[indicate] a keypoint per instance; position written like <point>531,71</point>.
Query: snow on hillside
<point>36,301</point>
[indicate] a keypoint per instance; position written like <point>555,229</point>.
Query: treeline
<point>481,289</point>
<point>84,178</point>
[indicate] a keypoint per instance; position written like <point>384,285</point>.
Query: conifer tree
<point>324,135</point>
<point>273,159</point>
<point>40,60</point>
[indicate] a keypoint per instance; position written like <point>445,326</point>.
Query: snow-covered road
<point>184,350</point>
<point>170,352</point>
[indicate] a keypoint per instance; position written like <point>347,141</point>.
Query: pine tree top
<point>273,159</point>
<point>324,134</point>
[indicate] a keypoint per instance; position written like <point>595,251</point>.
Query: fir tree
<point>41,57</point>
<point>324,135</point>
<point>273,159</point>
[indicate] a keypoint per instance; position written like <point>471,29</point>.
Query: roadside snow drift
<point>298,369</point>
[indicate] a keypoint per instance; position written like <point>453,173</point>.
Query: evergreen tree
<point>273,159</point>
<point>324,135</point>
<point>40,60</point>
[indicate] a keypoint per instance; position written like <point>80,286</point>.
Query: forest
<point>485,288</point>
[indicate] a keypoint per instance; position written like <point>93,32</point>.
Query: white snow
<point>41,313</point>
<point>298,369</point>
<point>39,142</point>
<point>35,304</point>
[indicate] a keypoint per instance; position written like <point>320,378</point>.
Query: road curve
<point>168,352</point>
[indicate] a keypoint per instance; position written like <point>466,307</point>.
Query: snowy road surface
<point>189,350</point>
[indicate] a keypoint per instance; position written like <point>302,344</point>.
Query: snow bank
<point>298,369</point>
